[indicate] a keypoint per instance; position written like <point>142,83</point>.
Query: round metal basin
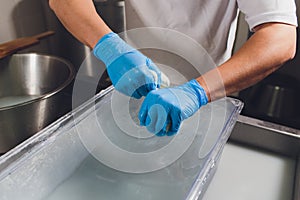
<point>275,99</point>
<point>32,95</point>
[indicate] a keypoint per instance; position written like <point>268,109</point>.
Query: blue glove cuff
<point>203,99</point>
<point>110,47</point>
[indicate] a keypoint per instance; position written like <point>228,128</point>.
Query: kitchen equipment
<point>56,163</point>
<point>276,140</point>
<point>258,174</point>
<point>32,88</point>
<point>112,12</point>
<point>64,45</point>
<point>13,46</point>
<point>275,99</point>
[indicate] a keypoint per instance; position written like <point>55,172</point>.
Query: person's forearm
<point>271,45</point>
<point>81,19</point>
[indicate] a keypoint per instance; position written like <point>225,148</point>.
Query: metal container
<point>112,12</point>
<point>274,99</point>
<point>271,138</point>
<point>32,95</point>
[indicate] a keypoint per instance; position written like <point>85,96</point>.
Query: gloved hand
<point>163,110</point>
<point>128,69</point>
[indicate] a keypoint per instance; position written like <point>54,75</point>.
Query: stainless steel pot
<point>274,99</point>
<point>32,95</point>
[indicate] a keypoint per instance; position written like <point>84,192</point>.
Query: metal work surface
<point>271,137</point>
<point>253,173</point>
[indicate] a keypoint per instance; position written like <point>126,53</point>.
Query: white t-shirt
<point>212,23</point>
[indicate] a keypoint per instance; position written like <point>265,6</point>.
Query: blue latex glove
<point>163,110</point>
<point>128,69</point>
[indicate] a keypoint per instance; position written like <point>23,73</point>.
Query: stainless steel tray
<point>272,137</point>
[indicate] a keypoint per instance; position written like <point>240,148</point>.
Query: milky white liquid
<point>92,180</point>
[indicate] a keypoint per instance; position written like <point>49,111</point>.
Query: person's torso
<point>212,23</point>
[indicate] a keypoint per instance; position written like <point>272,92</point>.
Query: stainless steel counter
<point>266,136</point>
